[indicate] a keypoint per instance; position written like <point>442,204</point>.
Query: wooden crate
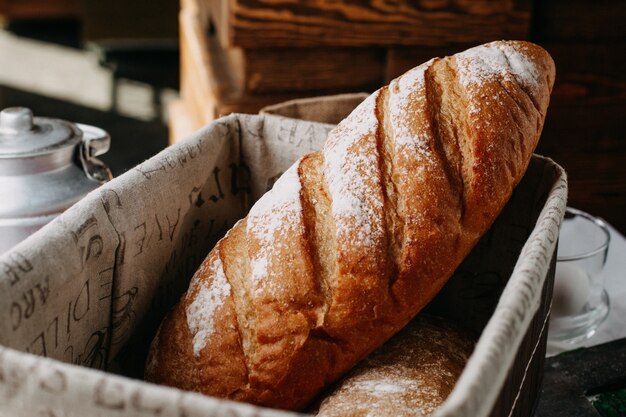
<point>217,81</point>
<point>585,123</point>
<point>271,23</point>
<point>208,86</point>
<point>269,70</point>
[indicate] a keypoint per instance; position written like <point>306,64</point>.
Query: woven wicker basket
<point>501,291</point>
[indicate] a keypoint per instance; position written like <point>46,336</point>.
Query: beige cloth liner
<point>90,288</point>
<point>331,109</point>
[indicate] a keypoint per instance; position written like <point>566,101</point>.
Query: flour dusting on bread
<point>496,62</point>
<point>404,91</point>
<point>522,68</point>
<point>351,170</point>
<point>409,376</point>
<point>209,298</point>
<point>277,213</point>
<point>486,63</point>
<point>384,387</point>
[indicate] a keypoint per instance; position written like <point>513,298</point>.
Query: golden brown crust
<point>410,375</point>
<point>172,362</point>
<point>355,239</point>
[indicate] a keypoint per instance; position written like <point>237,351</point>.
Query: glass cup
<point>579,302</point>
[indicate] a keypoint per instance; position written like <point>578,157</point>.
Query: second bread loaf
<point>408,376</point>
<point>355,239</point>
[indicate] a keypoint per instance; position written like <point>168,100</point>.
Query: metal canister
<point>46,165</point>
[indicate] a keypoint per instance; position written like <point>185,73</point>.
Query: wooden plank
<point>207,85</point>
<point>201,8</point>
<point>198,85</point>
<point>316,70</point>
<point>28,9</point>
<point>284,23</point>
<point>181,121</point>
<point>218,11</point>
<point>579,20</point>
<point>201,86</point>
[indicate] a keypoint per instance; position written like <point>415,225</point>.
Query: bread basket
<point>88,290</point>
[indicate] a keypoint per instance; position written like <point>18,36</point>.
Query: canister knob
<point>14,120</point>
<point>21,134</point>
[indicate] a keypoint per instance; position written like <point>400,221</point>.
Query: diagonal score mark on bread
<point>357,238</point>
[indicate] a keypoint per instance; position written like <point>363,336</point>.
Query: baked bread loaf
<point>355,239</point>
<point>408,376</point>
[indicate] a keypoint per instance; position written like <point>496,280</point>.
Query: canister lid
<point>21,134</point>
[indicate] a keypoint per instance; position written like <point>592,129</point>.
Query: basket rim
<point>470,397</point>
<point>517,305</point>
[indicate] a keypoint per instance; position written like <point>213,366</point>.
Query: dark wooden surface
<point>585,132</point>
<point>585,128</point>
<point>570,377</point>
<point>21,9</point>
<point>271,23</point>
<point>580,20</point>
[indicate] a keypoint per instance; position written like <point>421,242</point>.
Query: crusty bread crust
<point>355,239</point>
<point>408,376</point>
